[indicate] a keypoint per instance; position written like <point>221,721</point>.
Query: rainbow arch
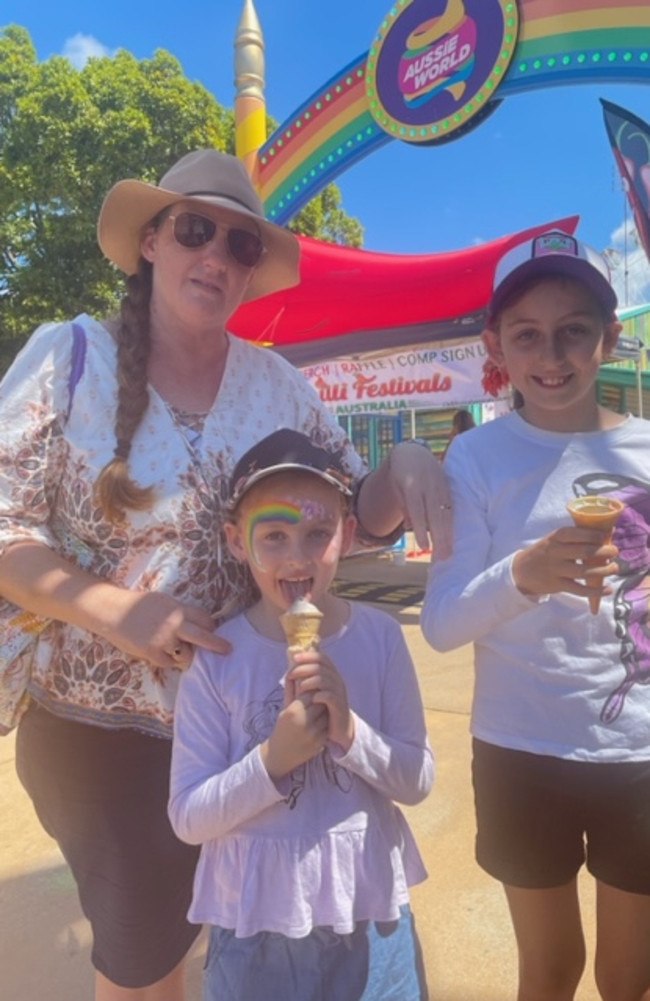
<point>560,42</point>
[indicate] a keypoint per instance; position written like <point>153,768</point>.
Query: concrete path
<point>461,914</point>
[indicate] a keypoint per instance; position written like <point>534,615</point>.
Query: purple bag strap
<point>77,362</point>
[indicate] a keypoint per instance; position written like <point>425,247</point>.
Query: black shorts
<point>102,794</point>
<point>539,818</point>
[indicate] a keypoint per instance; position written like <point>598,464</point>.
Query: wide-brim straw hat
<point>206,177</point>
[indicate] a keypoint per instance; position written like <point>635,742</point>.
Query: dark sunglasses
<point>194,231</point>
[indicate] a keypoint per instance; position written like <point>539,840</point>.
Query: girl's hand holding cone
<point>598,513</point>
<point>557,562</point>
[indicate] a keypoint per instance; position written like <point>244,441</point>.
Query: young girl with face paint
<point>287,777</point>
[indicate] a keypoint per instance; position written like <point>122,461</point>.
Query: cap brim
<point>287,467</point>
<point>130,206</point>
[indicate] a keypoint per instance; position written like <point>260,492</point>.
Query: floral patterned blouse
<point>49,464</point>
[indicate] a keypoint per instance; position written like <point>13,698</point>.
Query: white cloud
<point>629,266</point>
<point>79,49</point>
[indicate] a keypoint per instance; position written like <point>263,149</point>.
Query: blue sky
<point>539,157</point>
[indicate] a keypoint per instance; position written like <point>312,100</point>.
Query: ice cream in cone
<point>301,624</point>
<point>599,513</point>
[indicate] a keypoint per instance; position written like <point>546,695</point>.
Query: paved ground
<point>461,914</point>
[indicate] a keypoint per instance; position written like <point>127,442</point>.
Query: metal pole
<point>250,107</point>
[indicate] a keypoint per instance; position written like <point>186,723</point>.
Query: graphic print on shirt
<point>632,596</point>
<point>259,720</point>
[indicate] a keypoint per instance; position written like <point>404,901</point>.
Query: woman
<point>111,531</point>
<point>462,421</point>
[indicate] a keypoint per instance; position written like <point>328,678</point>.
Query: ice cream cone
<point>301,625</point>
<point>600,513</point>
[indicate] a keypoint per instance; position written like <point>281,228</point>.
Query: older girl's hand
<point>560,560</point>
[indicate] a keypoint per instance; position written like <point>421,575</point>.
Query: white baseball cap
<point>552,253</point>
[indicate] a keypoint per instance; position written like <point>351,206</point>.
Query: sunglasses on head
<point>194,231</point>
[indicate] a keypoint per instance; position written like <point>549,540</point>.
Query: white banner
<point>416,378</point>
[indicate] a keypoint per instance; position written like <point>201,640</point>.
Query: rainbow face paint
<point>288,512</point>
<point>285,512</point>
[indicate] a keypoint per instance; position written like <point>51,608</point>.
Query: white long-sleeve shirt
<point>550,677</point>
<point>326,845</point>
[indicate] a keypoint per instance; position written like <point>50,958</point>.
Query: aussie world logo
<point>435,64</point>
<point>440,55</point>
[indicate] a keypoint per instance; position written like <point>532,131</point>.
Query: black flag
<point>630,140</point>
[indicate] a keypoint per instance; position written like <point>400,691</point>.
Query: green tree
<point>66,136</point>
<point>324,217</point>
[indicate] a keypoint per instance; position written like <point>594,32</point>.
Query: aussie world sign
<point>435,64</point>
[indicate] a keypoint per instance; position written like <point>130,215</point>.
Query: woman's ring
<point>445,507</point>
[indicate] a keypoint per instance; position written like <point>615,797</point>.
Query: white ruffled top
<point>327,846</point>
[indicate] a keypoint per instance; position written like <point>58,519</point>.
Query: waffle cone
<point>301,625</point>
<point>599,513</point>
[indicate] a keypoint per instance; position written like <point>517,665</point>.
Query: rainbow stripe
<point>590,41</point>
<point>560,41</point>
<point>327,133</point>
<point>285,512</point>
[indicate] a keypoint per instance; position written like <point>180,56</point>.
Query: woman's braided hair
<point>115,491</point>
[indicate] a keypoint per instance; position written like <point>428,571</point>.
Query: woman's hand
<point>421,486</point>
<point>559,561</point>
<point>148,625</point>
<point>409,487</point>
<point>153,626</point>
<point>315,675</point>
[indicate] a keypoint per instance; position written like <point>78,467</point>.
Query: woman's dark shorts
<point>102,794</point>
<point>539,818</point>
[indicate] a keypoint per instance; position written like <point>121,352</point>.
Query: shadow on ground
<point>45,942</point>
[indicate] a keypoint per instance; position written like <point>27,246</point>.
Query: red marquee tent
<point>355,301</point>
